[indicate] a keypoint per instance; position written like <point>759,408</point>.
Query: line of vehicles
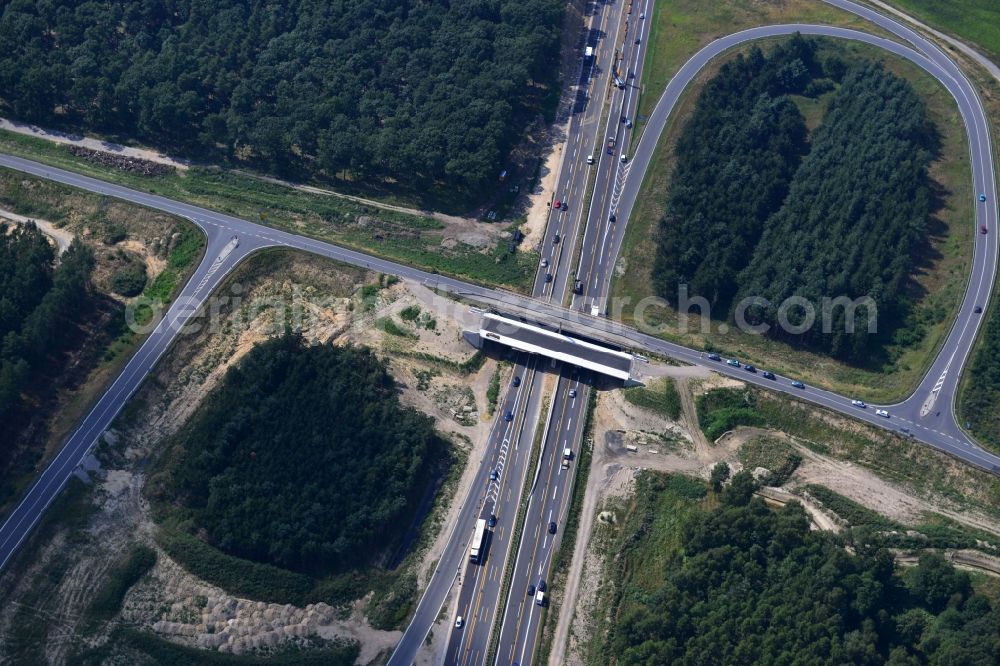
<point>767,374</point>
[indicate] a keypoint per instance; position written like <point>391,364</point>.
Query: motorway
<point>593,91</point>
<point>928,413</point>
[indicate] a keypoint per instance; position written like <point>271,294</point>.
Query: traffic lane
<point>568,177</point>
<point>456,553</point>
<point>521,577</point>
<point>476,638</point>
<point>546,506</point>
<point>554,510</point>
<point>506,434</point>
<point>550,508</point>
<point>184,309</point>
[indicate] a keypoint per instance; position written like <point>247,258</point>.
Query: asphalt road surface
<point>230,240</point>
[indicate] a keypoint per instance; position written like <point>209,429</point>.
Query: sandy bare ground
<point>539,200</point>
<point>28,129</point>
<point>61,238</point>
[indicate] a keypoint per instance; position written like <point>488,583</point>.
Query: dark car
<point>982,228</point>
<point>548,277</point>
<point>493,521</point>
<point>517,382</point>
<point>749,368</point>
<point>556,239</point>
<point>636,40</point>
<point>613,217</point>
<point>798,384</point>
<point>531,590</point>
<point>509,416</point>
<point>767,374</point>
<point>494,475</point>
<point>552,528</point>
<point>978,309</point>
<point>714,357</point>
<point>565,206</point>
<point>541,585</point>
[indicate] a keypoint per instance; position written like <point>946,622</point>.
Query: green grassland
<point>974,21</point>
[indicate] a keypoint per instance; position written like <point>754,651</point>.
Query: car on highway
<point>556,239</point>
<point>798,384</point>
<point>612,218</point>
<point>459,621</point>
<point>882,412</point>
<point>642,15</point>
<point>982,197</point>
<point>982,228</point>
<point>509,416</point>
<point>494,475</point>
<point>492,521</point>
<point>565,205</point>
<point>572,393</point>
<point>859,403</point>
<point>636,40</point>
<point>978,309</point>
<point>545,262</point>
<point>714,357</point>
<point>767,374</point>
<point>541,585</point>
<point>517,381</point>
<point>749,368</point>
<point>590,159</point>
<point>558,204</point>
<point>548,277</point>
<point>624,159</point>
<point>733,362</point>
<point>628,123</point>
<point>531,590</point>
<point>552,528</point>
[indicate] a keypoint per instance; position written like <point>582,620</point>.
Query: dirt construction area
<point>50,587</point>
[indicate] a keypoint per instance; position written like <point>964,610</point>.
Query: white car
<point>881,412</point>
<point>642,15</point>
<point>572,393</point>
<point>858,403</point>
<point>545,262</point>
<point>459,622</point>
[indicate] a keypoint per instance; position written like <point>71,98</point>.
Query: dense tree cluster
<point>854,216</point>
<point>304,458</point>
<point>757,211</point>
<point>981,393</point>
<point>735,159</point>
<point>419,91</point>
<point>40,305</point>
<point>756,586</point>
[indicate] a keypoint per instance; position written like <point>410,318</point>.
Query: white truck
<point>475,551</point>
<point>539,598</point>
<point>588,52</point>
<point>567,456</point>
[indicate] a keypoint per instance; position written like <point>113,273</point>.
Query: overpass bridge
<point>552,344</point>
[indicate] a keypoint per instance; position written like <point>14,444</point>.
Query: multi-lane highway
<point>929,414</point>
